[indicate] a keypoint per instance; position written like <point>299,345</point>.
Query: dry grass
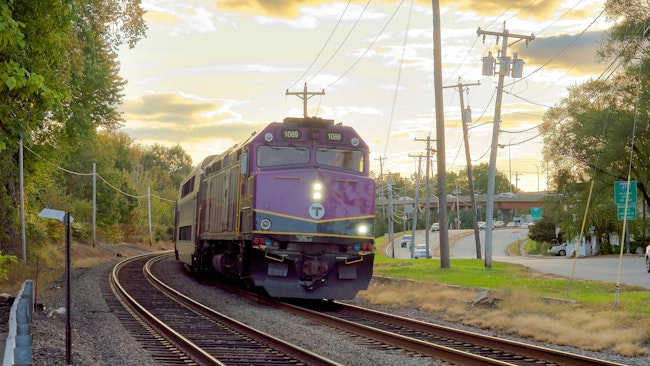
<point>589,327</point>
<point>47,267</point>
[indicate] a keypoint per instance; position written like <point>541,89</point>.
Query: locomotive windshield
<point>281,155</point>
<point>344,159</point>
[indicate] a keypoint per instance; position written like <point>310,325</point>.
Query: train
<point>289,211</point>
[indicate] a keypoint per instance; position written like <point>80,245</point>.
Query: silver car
<point>421,252</point>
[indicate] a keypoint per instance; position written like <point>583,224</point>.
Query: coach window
<point>344,159</point>
<point>281,155</point>
<point>188,187</point>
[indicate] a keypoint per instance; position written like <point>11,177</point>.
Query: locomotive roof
<point>309,121</point>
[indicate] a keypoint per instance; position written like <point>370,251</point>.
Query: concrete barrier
<point>18,349</point>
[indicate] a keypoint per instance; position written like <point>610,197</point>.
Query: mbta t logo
<point>316,211</point>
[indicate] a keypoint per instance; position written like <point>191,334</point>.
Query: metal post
<point>149,204</point>
<point>22,201</point>
<point>68,327</point>
<point>94,204</point>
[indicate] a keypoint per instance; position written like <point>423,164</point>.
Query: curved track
<point>190,333</point>
<point>449,344</point>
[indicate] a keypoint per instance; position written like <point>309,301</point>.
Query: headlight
<point>317,191</point>
<point>362,229</point>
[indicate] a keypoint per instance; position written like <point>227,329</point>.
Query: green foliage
<point>544,231</point>
<point>59,86</point>
<point>4,261</point>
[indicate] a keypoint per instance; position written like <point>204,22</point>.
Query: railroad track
<point>178,330</point>
<point>445,343</point>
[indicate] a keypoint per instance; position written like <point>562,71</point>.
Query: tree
<point>59,82</point>
<point>594,136</point>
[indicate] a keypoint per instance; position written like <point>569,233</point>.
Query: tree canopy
<point>597,135</point>
<point>59,90</point>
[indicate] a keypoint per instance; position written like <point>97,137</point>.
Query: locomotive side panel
<point>222,197</point>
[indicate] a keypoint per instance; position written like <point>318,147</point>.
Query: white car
<point>421,252</point>
<point>435,227</point>
<point>498,224</point>
<point>481,225</point>
<point>407,240</point>
<point>558,249</point>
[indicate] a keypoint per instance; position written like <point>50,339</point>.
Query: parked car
<point>558,249</point>
<point>511,224</point>
<point>526,225</point>
<point>647,258</point>
<point>406,240</point>
<point>435,227</point>
<point>497,224</point>
<point>421,252</point>
<point>481,225</point>
<point>507,194</point>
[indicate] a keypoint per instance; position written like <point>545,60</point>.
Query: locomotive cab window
<point>281,155</point>
<point>344,159</point>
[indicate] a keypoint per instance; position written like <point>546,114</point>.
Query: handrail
<point>18,348</point>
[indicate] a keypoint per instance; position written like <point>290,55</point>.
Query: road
<point>599,268</point>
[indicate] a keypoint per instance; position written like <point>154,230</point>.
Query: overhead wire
<point>399,77</point>
<point>90,174</point>
<point>329,38</point>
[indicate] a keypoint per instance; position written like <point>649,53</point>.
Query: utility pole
<point>416,204</point>
<point>440,135</point>
<point>489,70</point>
<point>466,118</point>
<point>428,198</point>
<point>390,204</point>
<point>391,229</point>
<point>305,95</point>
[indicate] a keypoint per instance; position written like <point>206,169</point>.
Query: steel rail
<point>300,353</point>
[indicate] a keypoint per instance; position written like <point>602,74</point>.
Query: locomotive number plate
<point>334,136</point>
<point>290,134</point>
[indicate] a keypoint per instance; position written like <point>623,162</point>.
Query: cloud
<point>290,8</point>
<point>574,52</point>
<point>203,126</point>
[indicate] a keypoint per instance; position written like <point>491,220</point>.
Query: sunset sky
<point>210,73</point>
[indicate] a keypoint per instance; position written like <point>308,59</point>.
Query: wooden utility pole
<point>440,135</point>
<point>504,68</point>
<point>428,204</point>
<point>470,178</point>
<point>305,95</point>
<point>416,203</point>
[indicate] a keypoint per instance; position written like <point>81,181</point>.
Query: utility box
<point>517,68</point>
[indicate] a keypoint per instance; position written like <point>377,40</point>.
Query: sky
<point>210,73</point>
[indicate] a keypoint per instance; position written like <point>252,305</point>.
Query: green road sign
<point>536,213</point>
<point>621,191</point>
<point>631,212</point>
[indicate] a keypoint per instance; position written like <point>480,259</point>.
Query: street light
<point>537,177</point>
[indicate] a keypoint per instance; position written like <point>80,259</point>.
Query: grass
<point>528,304</point>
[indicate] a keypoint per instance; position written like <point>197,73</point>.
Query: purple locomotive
<point>290,210</point>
